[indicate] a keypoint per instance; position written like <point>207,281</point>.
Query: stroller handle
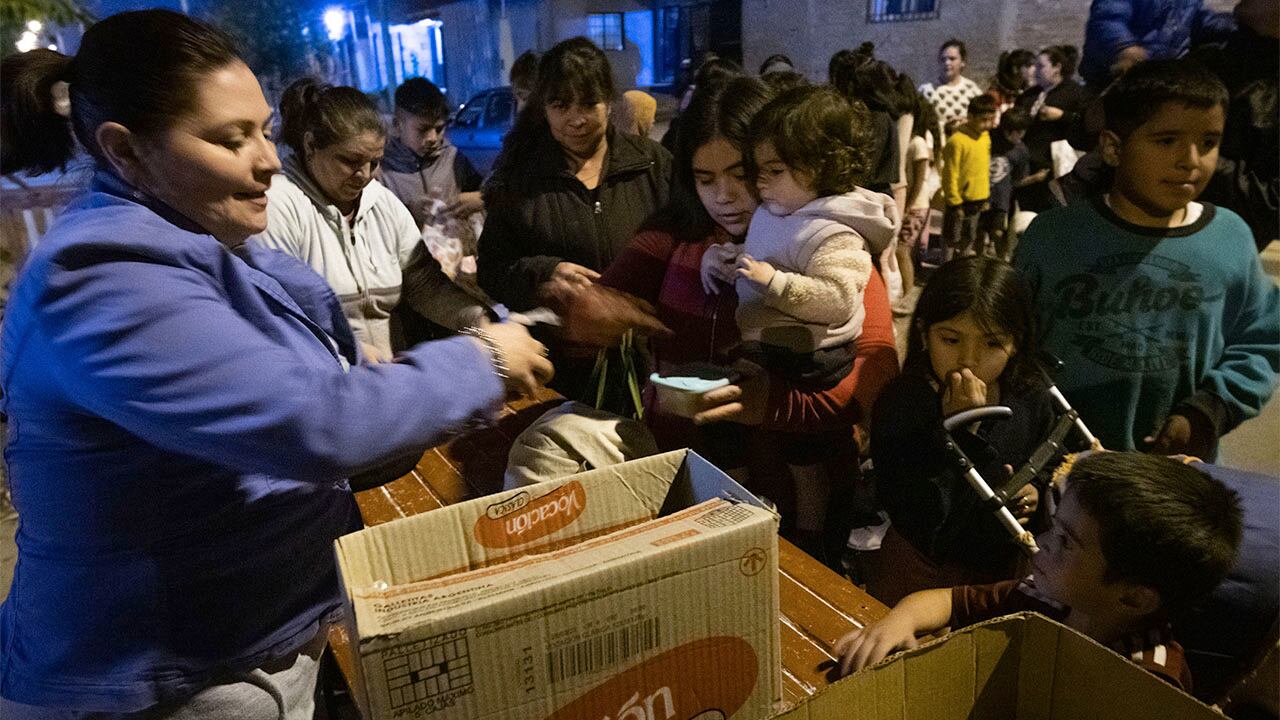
<point>973,415</point>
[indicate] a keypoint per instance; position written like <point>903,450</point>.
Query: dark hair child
<point>972,343</point>
<point>1010,165</point>
<point>1138,540</point>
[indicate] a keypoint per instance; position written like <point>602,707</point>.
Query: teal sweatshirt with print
<point>1152,321</point>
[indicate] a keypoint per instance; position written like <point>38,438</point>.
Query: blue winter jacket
<point>1165,28</point>
<point>181,421</point>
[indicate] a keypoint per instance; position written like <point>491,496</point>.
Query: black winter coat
<point>926,497</point>
<point>539,214</point>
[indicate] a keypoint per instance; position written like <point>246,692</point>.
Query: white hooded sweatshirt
<point>822,255</point>
<point>373,263</point>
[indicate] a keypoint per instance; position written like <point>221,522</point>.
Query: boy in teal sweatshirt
<point>1157,304</point>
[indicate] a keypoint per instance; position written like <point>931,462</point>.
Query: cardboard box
<point>1023,666</point>
<point>646,590</point>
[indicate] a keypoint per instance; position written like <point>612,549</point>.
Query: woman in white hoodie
<point>327,209</point>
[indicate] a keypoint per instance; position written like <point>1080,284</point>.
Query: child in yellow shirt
<point>966,182</point>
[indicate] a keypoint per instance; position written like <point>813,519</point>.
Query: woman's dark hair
<point>722,110</point>
<point>817,131</point>
<point>1071,57</point>
<point>875,84</point>
<point>572,71</point>
<point>777,59</point>
<point>906,95</point>
<point>715,70</point>
<point>781,81</point>
<point>29,123</point>
<point>331,113</point>
<point>1009,70</point>
<point>140,69</point>
<point>926,124</point>
<point>1058,57</point>
<point>958,44</point>
<point>999,301</point>
<point>845,63</point>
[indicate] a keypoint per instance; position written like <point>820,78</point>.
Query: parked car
<point>480,124</point>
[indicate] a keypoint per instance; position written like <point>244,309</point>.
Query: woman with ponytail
<point>327,210</point>
<point>184,408</point>
<point>1015,72</point>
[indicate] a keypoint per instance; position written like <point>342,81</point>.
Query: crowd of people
<point>254,309</point>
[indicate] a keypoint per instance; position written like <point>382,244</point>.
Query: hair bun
<point>34,136</point>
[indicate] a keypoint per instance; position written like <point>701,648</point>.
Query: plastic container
<point>679,389</point>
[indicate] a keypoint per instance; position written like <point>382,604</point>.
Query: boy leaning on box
<point>1137,541</point>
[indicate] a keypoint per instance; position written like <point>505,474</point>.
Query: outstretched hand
<point>1182,435</point>
<point>871,644</point>
<point>743,402</point>
<point>598,316</point>
<point>757,272</point>
<point>718,263</point>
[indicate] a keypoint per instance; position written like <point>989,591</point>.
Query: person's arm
<point>1027,256</point>
<point>918,169</point>
<point>424,286</point>
<point>825,292</point>
<point>144,360</point>
<point>469,198</point>
<point>1211,26</point>
<point>1244,377</point>
<point>1021,171</point>
<point>919,613</point>
<point>507,268</point>
<point>641,267</point>
<point>429,292</point>
<point>1108,27</point>
<point>1067,102</point>
<point>951,168</point>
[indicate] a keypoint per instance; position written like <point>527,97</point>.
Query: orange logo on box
<point>532,520</point>
<point>705,679</point>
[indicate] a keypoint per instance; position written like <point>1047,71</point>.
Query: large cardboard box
<point>1023,666</point>
<point>643,591</point>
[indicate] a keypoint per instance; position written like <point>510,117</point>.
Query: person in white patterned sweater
<point>951,94</point>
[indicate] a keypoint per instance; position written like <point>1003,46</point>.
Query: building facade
<point>646,40</point>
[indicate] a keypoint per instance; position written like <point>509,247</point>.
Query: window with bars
<point>899,10</point>
<point>605,30</point>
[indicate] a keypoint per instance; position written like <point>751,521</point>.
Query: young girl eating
<point>972,343</point>
<point>806,261</point>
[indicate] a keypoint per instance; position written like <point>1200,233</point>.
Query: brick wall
<point>471,59</point>
<point>810,31</point>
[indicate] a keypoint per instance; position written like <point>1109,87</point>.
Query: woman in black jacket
<point>1054,104</point>
<point>568,192</point>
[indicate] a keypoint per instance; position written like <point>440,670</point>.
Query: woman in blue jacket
<point>184,408</point>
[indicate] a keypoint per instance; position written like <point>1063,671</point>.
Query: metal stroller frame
<point>998,498</point>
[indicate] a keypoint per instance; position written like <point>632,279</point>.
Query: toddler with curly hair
<point>801,273</point>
